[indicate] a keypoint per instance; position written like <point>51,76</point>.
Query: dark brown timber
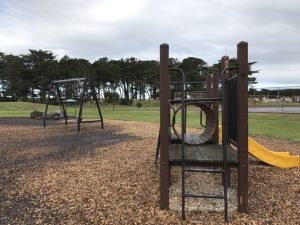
<point>242,112</point>
<point>164,126</point>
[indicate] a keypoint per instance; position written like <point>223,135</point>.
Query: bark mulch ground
<point>55,175</point>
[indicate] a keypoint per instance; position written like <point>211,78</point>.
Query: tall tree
<point>43,68</point>
<point>233,63</point>
<point>74,68</point>
<point>107,74</point>
<point>2,75</point>
<point>194,68</point>
<point>16,77</point>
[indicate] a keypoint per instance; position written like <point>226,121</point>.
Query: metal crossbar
<point>188,82</point>
<point>204,196</point>
<point>203,100</point>
<point>205,170</point>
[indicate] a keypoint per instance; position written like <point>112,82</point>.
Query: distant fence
<point>281,99</point>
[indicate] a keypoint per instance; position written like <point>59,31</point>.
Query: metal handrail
<point>183,129</point>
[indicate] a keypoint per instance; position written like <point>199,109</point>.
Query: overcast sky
<point>92,29</point>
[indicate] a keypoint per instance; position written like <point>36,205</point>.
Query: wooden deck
<point>202,155</point>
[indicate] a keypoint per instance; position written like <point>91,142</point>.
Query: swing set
<point>82,87</point>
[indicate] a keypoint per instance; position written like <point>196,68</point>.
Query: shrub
<point>124,101</point>
<point>111,97</point>
<point>139,104</point>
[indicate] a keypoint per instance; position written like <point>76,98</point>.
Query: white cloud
<point>123,28</point>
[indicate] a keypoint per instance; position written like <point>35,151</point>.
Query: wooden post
<point>215,94</point>
<point>208,94</point>
<point>242,126</point>
<point>164,126</point>
<point>224,65</point>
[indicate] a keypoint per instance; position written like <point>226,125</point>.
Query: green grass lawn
<point>281,126</point>
<point>23,109</point>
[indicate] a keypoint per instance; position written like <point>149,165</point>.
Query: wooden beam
<point>164,126</point>
<point>242,127</point>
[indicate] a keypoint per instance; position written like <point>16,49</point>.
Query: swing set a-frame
<point>86,87</point>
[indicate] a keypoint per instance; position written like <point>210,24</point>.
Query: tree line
<point>27,77</point>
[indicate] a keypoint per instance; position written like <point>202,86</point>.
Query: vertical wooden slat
<point>208,92</point>
<point>242,112</point>
<point>224,65</point>
<point>164,126</point>
<point>215,94</point>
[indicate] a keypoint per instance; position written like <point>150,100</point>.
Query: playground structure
<point>85,86</point>
<point>202,152</point>
<point>207,156</point>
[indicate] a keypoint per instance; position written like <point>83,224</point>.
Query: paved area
<point>275,109</point>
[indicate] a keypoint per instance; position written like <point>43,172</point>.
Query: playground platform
<point>203,155</point>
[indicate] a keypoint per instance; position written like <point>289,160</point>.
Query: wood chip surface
<point>56,175</point>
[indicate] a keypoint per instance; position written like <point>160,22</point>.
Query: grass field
<point>281,126</point>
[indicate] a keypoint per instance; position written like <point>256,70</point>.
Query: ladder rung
<point>204,196</point>
<point>205,170</point>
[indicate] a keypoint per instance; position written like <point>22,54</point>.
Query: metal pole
<point>97,102</point>
<point>62,104</point>
<point>47,103</point>
<point>81,105</point>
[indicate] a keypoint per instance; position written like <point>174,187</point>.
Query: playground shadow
<point>57,143</point>
<point>28,122</point>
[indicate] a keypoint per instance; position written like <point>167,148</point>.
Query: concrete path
<point>274,109</point>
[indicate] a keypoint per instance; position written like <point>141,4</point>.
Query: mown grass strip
<point>281,126</point>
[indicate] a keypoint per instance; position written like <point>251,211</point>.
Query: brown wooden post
<point>224,65</point>
<point>208,93</point>
<point>242,126</point>
<point>164,126</point>
<point>215,94</point>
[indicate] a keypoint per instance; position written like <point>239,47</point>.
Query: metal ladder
<point>185,169</point>
<point>224,171</point>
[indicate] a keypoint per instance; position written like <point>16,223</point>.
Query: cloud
<point>118,28</point>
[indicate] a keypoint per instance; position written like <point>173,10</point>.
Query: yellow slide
<point>279,159</point>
